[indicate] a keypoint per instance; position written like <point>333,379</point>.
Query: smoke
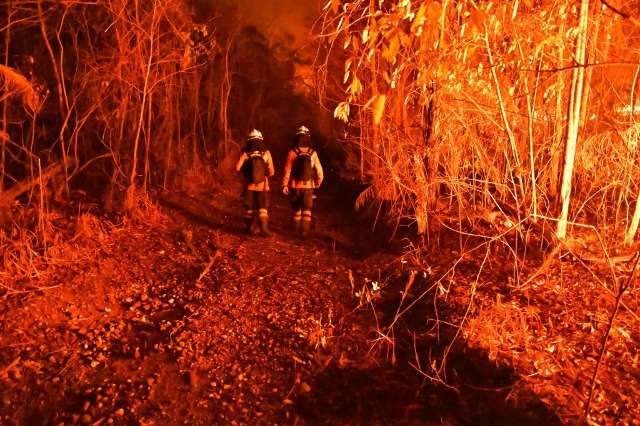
<point>281,19</point>
<point>289,20</point>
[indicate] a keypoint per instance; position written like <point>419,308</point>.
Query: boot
<point>264,226</point>
<point>306,226</point>
<point>248,224</point>
<point>254,228</point>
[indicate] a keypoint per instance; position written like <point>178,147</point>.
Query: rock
<point>86,419</point>
<point>119,412</point>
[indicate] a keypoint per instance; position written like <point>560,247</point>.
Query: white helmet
<point>302,130</point>
<point>255,134</point>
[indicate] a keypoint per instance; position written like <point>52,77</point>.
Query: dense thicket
<point>124,88</point>
<point>463,107</point>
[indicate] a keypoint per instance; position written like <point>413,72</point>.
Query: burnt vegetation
<point>474,252</point>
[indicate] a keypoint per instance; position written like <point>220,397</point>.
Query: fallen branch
<point>7,197</point>
<point>5,371</point>
<point>207,268</point>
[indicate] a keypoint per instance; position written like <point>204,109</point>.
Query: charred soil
<point>176,316</point>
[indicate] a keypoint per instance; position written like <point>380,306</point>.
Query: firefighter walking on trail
<point>302,174</point>
<point>256,166</point>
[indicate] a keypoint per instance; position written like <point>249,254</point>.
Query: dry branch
<point>7,197</point>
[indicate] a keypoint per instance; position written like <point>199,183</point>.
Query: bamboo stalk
<point>577,85</point>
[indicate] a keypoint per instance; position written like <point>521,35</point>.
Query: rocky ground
<point>177,317</point>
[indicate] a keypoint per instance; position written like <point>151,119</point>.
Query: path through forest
<point>178,317</point>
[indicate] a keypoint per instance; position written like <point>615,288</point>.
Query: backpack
<point>255,168</point>
<point>302,170</point>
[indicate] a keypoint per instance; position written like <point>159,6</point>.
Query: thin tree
<point>633,226</point>
<point>575,104</point>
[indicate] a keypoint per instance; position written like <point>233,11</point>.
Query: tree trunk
<point>575,103</point>
<point>633,226</point>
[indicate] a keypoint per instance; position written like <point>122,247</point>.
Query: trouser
<point>256,203</point>
<point>301,203</point>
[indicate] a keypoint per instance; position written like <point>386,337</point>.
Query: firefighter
<point>302,174</point>
<point>256,166</point>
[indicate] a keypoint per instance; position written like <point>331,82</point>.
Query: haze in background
<point>289,19</point>
<point>281,18</point>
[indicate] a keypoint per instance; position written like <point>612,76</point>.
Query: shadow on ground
<point>372,391</point>
<point>400,395</point>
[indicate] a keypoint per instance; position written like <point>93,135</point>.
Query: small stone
<point>86,419</point>
<point>119,412</point>
<point>86,406</point>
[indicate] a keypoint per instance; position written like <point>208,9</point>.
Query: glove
<point>285,190</point>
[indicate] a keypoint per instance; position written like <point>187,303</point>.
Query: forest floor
<point>176,316</point>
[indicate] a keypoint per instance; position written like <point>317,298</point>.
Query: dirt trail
<point>179,317</point>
